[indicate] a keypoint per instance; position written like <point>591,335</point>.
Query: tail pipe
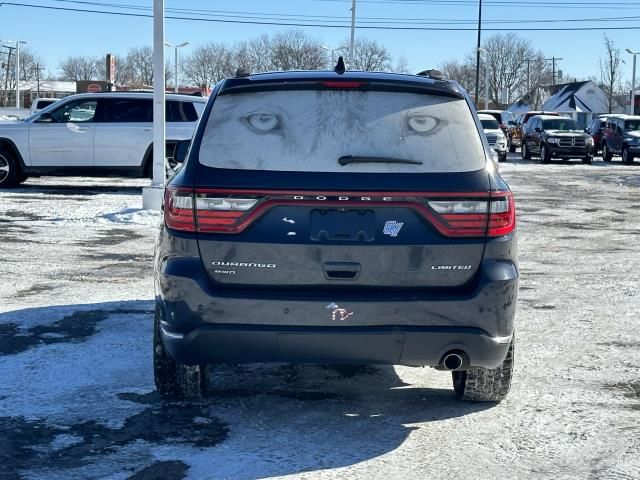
<point>454,360</point>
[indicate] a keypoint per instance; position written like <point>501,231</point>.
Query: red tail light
<point>502,216</point>
<point>178,209</point>
<point>455,214</point>
<point>494,216</point>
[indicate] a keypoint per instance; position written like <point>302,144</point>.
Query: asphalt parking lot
<point>77,398</point>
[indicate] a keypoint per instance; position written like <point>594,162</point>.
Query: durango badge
<point>391,227</point>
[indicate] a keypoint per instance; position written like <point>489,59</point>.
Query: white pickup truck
<point>93,134</point>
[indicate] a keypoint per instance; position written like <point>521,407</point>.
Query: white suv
<point>93,134</point>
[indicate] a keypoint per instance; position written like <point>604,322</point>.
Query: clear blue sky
<point>56,34</point>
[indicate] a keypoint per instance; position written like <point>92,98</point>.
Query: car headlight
<point>553,140</point>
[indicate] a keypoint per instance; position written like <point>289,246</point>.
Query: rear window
<point>181,112</point>
<point>44,103</point>
<point>311,130</point>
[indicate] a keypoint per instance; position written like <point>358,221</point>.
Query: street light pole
<point>176,47</point>
<point>633,81</point>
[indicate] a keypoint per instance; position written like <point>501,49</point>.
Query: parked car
<point>596,129</point>
<point>551,136</point>
<point>40,103</point>
<point>93,134</point>
<point>495,135</point>
<point>621,137</point>
<point>332,217</point>
<point>504,117</point>
<point>515,134</point>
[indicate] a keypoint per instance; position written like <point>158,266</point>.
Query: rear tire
<point>502,157</point>
<point>627,157</point>
<point>485,384</point>
<point>175,380</point>
<point>606,154</point>
<point>525,152</point>
<point>9,174</point>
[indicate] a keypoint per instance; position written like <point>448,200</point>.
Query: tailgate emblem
<point>391,227</point>
<point>338,313</point>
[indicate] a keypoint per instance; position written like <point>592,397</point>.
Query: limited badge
<point>391,227</point>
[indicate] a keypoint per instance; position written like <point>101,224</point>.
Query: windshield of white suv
<point>341,131</point>
<point>489,124</point>
<point>560,124</point>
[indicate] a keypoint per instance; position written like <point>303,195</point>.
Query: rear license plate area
<point>341,225</point>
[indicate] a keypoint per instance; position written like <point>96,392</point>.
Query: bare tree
<point>30,63</point>
<point>80,68</point>
<point>462,72</point>
<point>295,50</point>
<point>369,56</point>
<point>208,63</point>
<point>401,65</point>
<point>610,71</point>
<point>254,54</point>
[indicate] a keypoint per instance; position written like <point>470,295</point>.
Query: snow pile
<point>131,216</point>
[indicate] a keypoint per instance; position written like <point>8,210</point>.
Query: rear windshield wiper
<point>347,159</point>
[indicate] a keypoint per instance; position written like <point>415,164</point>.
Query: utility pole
<point>38,78</point>
<point>633,81</point>
<point>478,51</point>
<point>553,61</point>
<point>353,33</point>
<point>6,79</point>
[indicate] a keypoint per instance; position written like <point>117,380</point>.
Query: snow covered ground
<point>76,390</point>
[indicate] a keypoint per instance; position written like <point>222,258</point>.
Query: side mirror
<point>45,118</point>
<point>182,148</point>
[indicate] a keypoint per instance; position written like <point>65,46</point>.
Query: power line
<point>315,25</point>
<point>361,20</point>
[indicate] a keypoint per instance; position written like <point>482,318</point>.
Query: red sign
<point>94,88</point>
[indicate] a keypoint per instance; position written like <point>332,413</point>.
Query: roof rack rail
<point>432,73</point>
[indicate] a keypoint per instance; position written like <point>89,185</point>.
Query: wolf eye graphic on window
<point>263,122</point>
<point>421,123</point>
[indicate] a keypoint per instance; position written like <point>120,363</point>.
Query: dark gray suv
<point>325,217</point>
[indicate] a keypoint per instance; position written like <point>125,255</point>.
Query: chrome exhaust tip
<point>452,362</point>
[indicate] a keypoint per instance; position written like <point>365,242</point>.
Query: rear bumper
<point>204,324</point>
<point>356,345</point>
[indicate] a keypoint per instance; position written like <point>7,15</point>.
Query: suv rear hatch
<point>339,184</point>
